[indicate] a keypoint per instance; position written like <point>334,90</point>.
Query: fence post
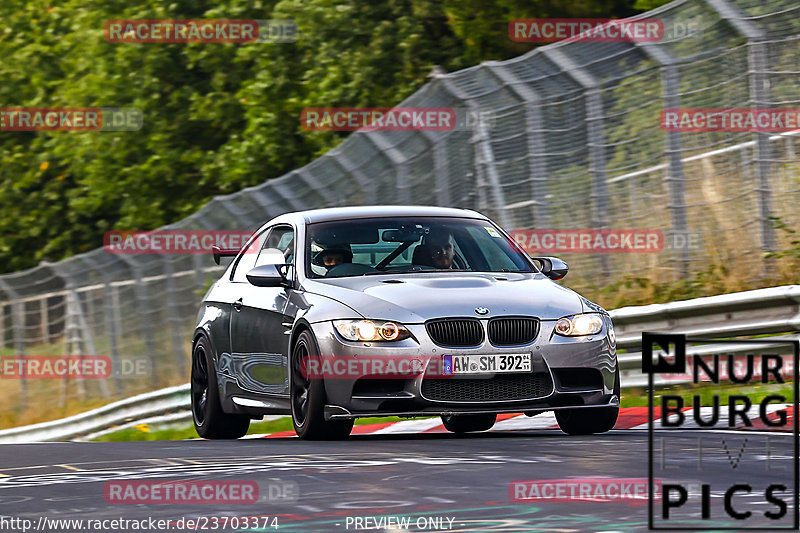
<point>278,186</point>
<point>759,97</point>
<point>18,336</point>
<point>44,321</point>
<point>442,172</point>
<point>400,162</point>
<point>146,325</point>
<point>367,184</point>
<point>757,63</point>
<point>113,322</point>
<point>2,326</point>
<point>595,136</point>
<point>173,317</point>
<point>484,155</point>
<point>674,177</point>
<point>535,142</point>
<point>73,343</point>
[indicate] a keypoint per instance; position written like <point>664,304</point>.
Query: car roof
<point>371,211</point>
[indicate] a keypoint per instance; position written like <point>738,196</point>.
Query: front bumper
<point>570,373</point>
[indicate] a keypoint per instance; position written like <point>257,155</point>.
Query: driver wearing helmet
<point>336,255</point>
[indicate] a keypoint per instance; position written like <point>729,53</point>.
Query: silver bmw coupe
<point>335,314</point>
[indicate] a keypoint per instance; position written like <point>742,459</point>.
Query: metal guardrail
<point>630,364</point>
<point>775,310</point>
<point>764,311</point>
<point>135,408</point>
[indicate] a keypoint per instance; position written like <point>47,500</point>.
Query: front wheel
<point>589,420</point>
<point>468,423</point>
<point>308,396</point>
<point>210,421</point>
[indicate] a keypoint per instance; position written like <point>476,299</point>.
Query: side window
<point>247,260</point>
<point>281,238</point>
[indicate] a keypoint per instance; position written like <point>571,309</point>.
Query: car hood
<point>415,298</point>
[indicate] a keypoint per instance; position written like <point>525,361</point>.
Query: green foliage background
<point>217,117</point>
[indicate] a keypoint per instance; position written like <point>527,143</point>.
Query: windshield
<point>414,244</point>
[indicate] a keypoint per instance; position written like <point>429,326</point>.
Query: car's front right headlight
<point>579,325</point>
<point>371,330</point>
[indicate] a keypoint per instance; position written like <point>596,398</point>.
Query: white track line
<point>410,426</point>
<point>522,422</point>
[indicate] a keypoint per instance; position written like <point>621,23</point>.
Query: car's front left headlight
<point>371,330</point>
<point>579,325</point>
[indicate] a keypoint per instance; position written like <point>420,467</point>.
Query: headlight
<point>370,330</point>
<point>578,325</point>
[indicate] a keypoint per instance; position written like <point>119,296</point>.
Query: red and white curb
<point>630,418</point>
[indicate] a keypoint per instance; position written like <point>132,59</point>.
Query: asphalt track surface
<point>420,476</point>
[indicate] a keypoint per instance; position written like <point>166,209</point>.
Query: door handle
<point>238,304</point>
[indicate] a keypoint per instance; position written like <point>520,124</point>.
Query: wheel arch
<point>301,326</point>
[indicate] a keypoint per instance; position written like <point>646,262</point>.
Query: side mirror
<point>266,276</point>
<point>552,267</point>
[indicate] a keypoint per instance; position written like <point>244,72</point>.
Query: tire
<point>308,397</point>
<point>468,423</point>
<point>588,421</point>
<point>209,419</point>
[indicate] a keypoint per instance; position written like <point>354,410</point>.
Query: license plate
<point>487,364</point>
